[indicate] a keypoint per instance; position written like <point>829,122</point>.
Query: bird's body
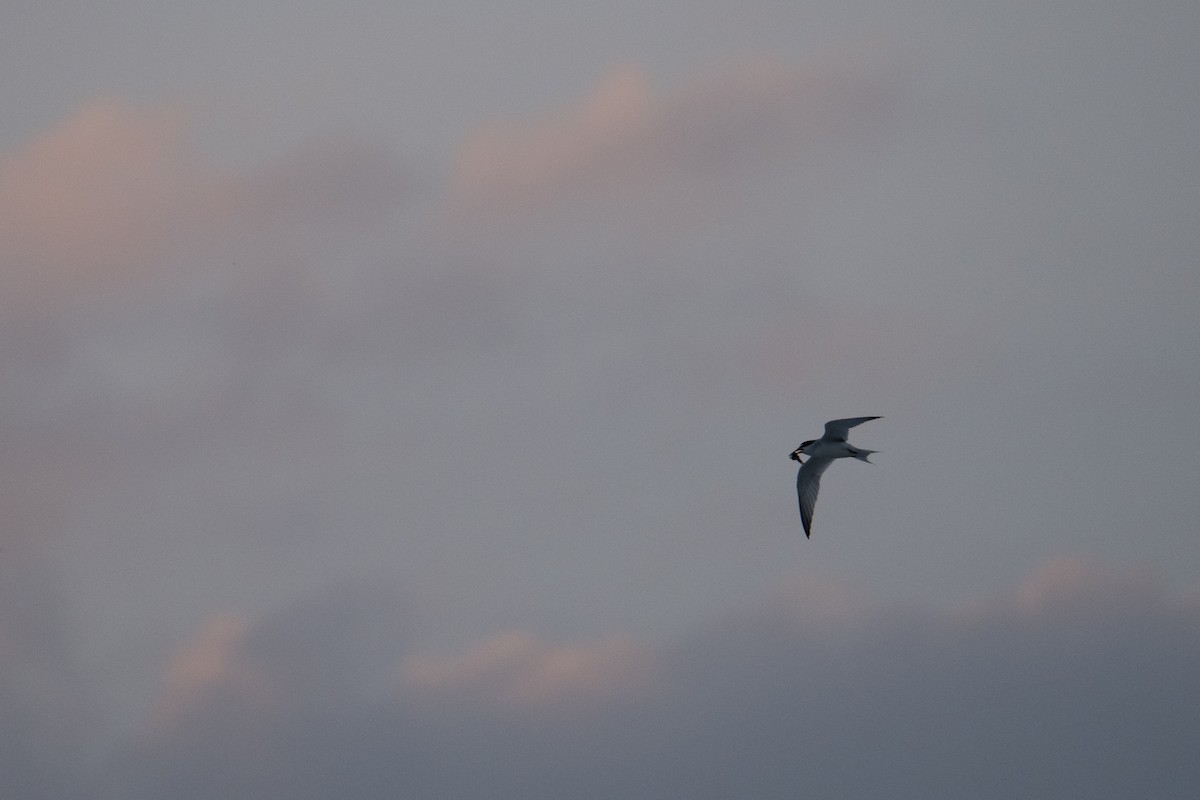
<point>821,453</point>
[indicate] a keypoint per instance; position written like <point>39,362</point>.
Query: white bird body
<point>821,453</point>
<point>825,449</point>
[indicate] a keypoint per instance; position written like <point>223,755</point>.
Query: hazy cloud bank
<point>1078,681</point>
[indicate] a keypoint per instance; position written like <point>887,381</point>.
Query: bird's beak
<point>796,456</point>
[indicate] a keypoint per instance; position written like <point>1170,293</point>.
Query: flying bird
<point>821,453</point>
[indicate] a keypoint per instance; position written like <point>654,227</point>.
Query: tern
<point>821,453</point>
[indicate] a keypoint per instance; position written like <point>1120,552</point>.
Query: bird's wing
<point>836,430</point>
<point>808,483</point>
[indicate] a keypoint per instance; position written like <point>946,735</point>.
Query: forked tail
<point>861,455</point>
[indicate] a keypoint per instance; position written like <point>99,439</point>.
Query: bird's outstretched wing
<point>808,484</point>
<point>836,430</point>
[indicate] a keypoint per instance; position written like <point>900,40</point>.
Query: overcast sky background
<point>396,401</point>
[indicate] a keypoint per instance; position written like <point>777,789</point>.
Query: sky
<point>396,400</point>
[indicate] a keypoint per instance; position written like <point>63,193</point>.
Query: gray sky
<point>398,401</point>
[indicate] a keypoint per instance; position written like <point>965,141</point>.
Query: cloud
<point>1082,584</point>
<point>99,199</point>
<point>1028,698</point>
<point>624,136</point>
<point>334,646</point>
<point>210,665</point>
<point>519,669</point>
<point>115,193</point>
<point>528,163</point>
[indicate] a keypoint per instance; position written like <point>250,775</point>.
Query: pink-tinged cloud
<point>623,135</point>
<point>114,194</point>
<point>211,669</point>
<point>1075,588</point>
<point>519,669</point>
<point>99,199</point>
<point>1083,582</point>
<point>527,163</point>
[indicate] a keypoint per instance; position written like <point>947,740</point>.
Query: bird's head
<point>796,453</point>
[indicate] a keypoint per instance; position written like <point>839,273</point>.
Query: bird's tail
<point>861,455</point>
